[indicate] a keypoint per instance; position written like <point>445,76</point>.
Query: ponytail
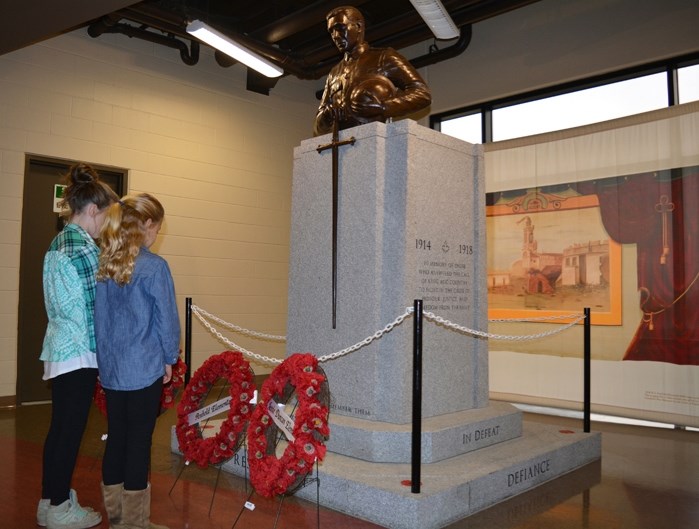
<point>123,234</point>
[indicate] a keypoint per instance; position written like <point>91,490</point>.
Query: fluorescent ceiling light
<point>221,42</point>
<point>437,18</point>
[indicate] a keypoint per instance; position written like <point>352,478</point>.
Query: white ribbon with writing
<point>209,411</point>
<point>281,419</point>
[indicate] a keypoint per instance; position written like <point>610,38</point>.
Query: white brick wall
<point>217,156</point>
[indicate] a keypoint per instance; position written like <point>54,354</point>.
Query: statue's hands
<point>329,113</point>
<point>369,98</point>
<point>367,106</point>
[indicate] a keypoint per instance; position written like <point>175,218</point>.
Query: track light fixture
<point>225,44</point>
<point>437,18</point>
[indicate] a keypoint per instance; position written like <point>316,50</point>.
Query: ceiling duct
<point>295,39</point>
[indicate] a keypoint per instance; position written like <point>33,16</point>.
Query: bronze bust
<point>368,84</point>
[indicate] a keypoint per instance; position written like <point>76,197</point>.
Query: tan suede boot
<point>112,504</point>
<point>135,510</point>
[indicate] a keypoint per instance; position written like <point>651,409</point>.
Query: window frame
<point>669,66</point>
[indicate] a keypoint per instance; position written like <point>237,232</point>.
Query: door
<point>39,226</point>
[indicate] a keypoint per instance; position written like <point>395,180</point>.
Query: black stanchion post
<point>188,339</point>
<point>416,455</point>
<point>587,372</point>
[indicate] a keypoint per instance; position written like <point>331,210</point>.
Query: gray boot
<point>135,510</point>
<point>112,495</point>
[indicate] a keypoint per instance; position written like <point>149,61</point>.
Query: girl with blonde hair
<point>138,335</point>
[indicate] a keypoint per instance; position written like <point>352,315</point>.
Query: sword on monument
<point>334,145</point>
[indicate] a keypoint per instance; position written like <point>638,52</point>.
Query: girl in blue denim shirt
<point>138,335</point>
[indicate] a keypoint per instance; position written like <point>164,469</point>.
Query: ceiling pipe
<point>107,24</point>
<point>312,65</point>
<point>223,60</point>
<point>301,20</point>
<point>433,57</point>
<point>154,16</point>
<point>407,28</point>
<point>399,32</point>
<point>288,61</point>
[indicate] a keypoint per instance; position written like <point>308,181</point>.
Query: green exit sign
<point>58,190</point>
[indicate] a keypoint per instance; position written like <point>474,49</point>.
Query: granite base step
<point>451,489</point>
<point>443,437</point>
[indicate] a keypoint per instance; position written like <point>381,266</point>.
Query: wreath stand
<point>304,483</point>
<point>219,467</point>
<point>300,384</point>
<point>307,480</point>
<point>220,365</point>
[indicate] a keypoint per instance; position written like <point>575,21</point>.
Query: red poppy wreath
<point>167,397</point>
<point>213,450</point>
<point>271,475</point>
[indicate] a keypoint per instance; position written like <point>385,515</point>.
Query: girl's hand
<point>168,373</point>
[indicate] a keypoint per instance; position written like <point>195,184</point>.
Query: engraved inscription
<point>480,434</point>
<point>444,284</point>
<point>350,409</point>
<point>528,472</point>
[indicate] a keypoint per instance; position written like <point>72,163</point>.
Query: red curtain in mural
<point>659,213</point>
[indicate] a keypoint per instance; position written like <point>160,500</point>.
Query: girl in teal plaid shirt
<point>68,353</point>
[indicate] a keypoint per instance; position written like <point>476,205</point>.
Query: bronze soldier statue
<point>368,84</point>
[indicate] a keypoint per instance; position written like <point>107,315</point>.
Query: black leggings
<point>131,419</point>
<point>71,395</point>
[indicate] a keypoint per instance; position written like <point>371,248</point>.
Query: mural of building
<point>498,278</point>
<point>580,264</point>
<point>586,264</point>
<point>540,270</point>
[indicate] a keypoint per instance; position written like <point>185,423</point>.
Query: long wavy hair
<point>123,233</point>
<point>83,188</point>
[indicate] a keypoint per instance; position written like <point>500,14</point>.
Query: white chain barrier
<point>203,315</point>
<point>272,337</point>
<point>538,318</point>
<point>260,358</point>
<point>368,339</point>
<point>513,338</point>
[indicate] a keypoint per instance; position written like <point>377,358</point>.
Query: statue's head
<point>346,27</point>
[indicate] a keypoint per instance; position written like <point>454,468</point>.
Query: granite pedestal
<point>411,206</point>
<point>411,225</point>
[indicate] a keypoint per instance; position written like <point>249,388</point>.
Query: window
<point>584,102</point>
<point>583,107</point>
<point>688,81</point>
<point>467,128</point>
